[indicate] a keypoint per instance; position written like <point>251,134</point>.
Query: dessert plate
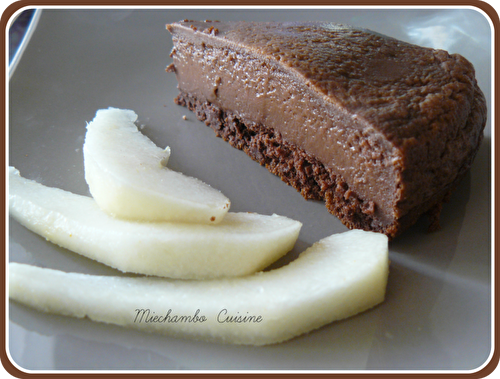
<point>437,314</point>
<point>23,27</point>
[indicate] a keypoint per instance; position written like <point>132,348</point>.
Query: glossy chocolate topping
<point>398,122</point>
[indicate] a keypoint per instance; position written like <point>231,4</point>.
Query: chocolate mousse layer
<point>380,129</point>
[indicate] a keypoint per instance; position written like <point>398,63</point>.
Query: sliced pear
<point>127,175</point>
<point>241,244</point>
<point>337,277</point>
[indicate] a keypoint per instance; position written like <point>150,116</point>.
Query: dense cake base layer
<point>302,171</point>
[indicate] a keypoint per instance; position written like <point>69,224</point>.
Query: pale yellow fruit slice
<point>241,244</point>
<point>127,175</point>
<point>337,277</point>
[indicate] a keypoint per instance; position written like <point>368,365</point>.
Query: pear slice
<point>241,244</point>
<point>337,277</point>
<point>127,175</point>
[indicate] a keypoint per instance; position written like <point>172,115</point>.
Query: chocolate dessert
<point>379,129</point>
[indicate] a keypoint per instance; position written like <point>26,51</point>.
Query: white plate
<point>437,315</point>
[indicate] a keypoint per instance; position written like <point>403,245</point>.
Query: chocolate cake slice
<point>380,129</point>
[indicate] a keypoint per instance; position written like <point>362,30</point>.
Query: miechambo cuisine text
<point>146,315</point>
